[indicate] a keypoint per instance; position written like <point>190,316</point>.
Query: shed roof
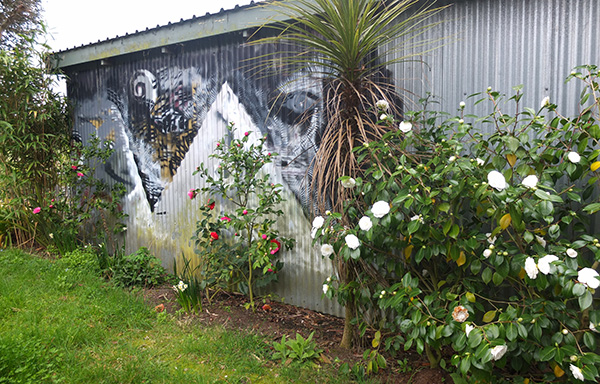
<point>239,18</point>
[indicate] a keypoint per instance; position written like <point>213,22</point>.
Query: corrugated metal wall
<point>505,43</point>
<point>166,110</point>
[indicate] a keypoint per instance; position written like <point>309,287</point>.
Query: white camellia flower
<point>383,116</point>
<point>418,218</point>
<point>490,239</point>
<point>452,159</point>
<point>593,328</point>
<point>325,288</point>
<point>498,351</point>
<point>588,277</point>
<point>348,183</point>
<point>313,232</point>
<point>462,104</point>
<point>326,250</point>
<point>352,241</point>
<point>365,223</point>
<point>405,126</point>
<point>530,181</point>
<point>480,162</point>
<point>382,105</point>
<point>574,157</point>
<point>544,263</point>
<point>497,180</point>
<point>576,371</point>
<point>531,268</point>
<point>540,241</point>
<point>380,209</point>
<point>571,253</point>
<point>487,253</point>
<point>468,329</point>
<point>318,222</point>
<point>545,101</point>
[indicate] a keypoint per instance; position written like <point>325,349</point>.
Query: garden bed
<point>280,319</point>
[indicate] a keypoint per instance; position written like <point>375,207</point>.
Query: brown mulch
<point>278,319</point>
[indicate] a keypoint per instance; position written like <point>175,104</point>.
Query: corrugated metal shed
<point>166,94</point>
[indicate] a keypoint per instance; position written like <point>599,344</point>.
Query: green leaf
<point>589,339</point>
<point>585,300</point>
<point>486,276</point>
<point>489,316</point>
<point>548,353</point>
<point>511,332</point>
<point>592,208</point>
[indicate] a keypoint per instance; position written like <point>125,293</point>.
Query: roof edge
<point>237,19</point>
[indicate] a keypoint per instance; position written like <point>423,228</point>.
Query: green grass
<point>65,325</point>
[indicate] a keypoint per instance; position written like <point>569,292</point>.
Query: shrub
<point>139,269</point>
<point>481,243</point>
<point>84,259</point>
<point>249,258</point>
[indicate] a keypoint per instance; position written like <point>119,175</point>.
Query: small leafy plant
<point>139,269</point>
<point>300,349</point>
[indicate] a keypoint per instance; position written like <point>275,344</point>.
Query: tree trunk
<point>348,327</point>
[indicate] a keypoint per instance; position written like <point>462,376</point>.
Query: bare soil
<point>277,319</point>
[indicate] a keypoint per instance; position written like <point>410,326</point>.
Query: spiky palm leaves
<point>347,45</point>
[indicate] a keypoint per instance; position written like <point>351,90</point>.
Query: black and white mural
<point>156,108</point>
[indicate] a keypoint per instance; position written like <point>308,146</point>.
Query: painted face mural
<point>160,109</point>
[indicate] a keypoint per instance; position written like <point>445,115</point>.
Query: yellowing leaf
<point>461,259</point>
<point>558,372</point>
<point>512,159</point>
<point>526,381</point>
<point>489,316</point>
<point>595,166</point>
<point>505,221</point>
<point>408,251</point>
<point>470,297</point>
<point>522,273</point>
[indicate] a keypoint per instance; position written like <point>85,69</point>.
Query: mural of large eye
<point>144,86</point>
<point>294,106</point>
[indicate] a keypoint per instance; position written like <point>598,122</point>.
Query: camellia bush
<point>240,248</point>
<point>478,249</point>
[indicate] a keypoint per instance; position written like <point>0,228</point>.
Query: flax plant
<point>347,45</point>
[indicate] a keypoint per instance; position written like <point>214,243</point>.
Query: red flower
<point>275,250</point>
<point>266,307</point>
<point>214,235</point>
<point>246,134</point>
<point>244,212</point>
<point>211,205</point>
<point>74,167</point>
<point>80,174</point>
<point>192,193</point>
<point>225,218</point>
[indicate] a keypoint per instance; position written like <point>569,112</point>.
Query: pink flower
<point>80,174</point>
<point>269,154</point>
<point>225,218</point>
<point>214,235</point>
<point>269,270</point>
<point>264,237</point>
<point>192,193</point>
<point>246,134</point>
<point>218,144</point>
<point>74,167</point>
<point>37,210</point>
<point>51,206</point>
<point>52,200</point>
<point>278,244</point>
<point>244,212</point>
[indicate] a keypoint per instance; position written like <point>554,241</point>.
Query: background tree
<point>347,45</point>
<point>18,18</point>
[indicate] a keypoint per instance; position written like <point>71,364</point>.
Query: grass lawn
<point>66,325</point>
